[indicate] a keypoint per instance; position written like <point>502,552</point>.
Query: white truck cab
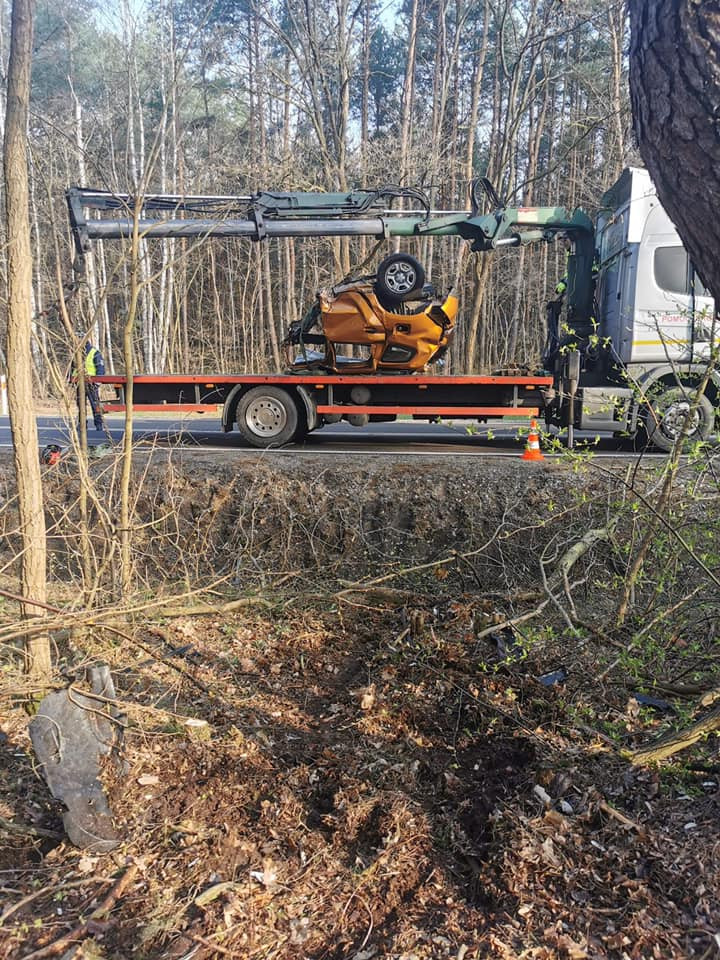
<point>654,307</point>
<point>655,320</point>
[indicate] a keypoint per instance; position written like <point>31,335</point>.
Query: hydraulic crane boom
<point>353,214</point>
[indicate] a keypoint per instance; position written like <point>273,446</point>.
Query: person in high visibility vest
<point>94,367</point>
<point>563,281</point>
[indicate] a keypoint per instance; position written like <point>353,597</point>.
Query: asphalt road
<point>403,437</point>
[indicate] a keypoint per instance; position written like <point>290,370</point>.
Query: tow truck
<point>626,347</point>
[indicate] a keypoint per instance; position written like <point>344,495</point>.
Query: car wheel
<point>665,419</point>
<point>398,276</point>
<point>267,417</point>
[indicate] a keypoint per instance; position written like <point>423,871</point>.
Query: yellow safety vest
<point>90,367</point>
<point>562,283</point>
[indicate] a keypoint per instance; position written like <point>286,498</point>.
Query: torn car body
<point>356,333</point>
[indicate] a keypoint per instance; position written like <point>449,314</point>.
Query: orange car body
<point>351,315</point>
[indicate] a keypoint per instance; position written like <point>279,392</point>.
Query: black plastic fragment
<point>552,679</point>
<point>662,706</point>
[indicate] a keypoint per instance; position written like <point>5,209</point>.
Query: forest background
<point>231,97</point>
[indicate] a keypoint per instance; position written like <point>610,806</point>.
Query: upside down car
<point>391,321</point>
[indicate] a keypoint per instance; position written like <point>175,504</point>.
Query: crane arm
<point>356,213</point>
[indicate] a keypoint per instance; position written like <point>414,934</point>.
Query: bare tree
<point>19,358</point>
<point>675,90</point>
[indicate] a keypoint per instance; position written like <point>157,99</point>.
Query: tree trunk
<point>478,75</point>
<point>19,265</point>
<point>365,109</point>
<point>675,90</point>
<point>407,95</point>
<point>125,510</point>
<point>616,158</point>
<point>676,741</point>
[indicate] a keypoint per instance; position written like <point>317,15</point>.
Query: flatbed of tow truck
<point>278,408</point>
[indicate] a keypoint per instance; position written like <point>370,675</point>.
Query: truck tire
<point>267,417</point>
<point>398,276</point>
<point>665,421</point>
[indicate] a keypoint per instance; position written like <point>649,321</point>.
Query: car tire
<point>398,277</point>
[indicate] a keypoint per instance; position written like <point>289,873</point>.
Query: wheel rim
<point>674,419</point>
<point>266,417</point>
<point>400,277</point>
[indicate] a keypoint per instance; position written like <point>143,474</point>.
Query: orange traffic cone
<point>532,450</point>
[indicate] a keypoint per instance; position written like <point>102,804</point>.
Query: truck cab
<point>655,321</point>
<point>653,306</point>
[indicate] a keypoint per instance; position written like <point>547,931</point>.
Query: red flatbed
<point>258,403</point>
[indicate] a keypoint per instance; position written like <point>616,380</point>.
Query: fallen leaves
<point>268,876</point>
<point>148,780</point>
<point>367,698</point>
<point>407,784</point>
<point>212,893</point>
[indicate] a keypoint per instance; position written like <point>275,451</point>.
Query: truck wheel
<point>398,276</point>
<point>267,417</point>
<point>665,422</point>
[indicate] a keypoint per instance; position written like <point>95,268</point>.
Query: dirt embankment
<point>343,517</point>
<point>392,770</point>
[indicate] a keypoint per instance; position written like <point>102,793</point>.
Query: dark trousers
<point>93,398</point>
